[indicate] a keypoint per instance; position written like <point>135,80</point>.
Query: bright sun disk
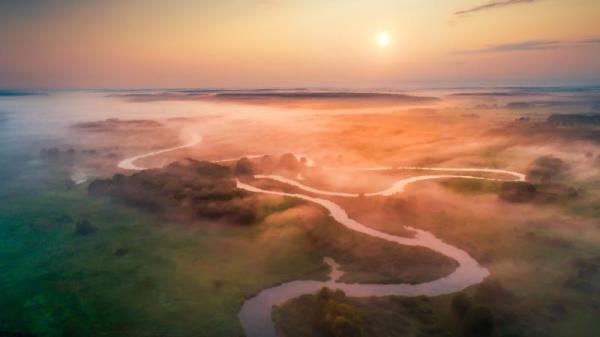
<point>383,39</point>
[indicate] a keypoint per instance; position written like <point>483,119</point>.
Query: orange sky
<point>243,43</point>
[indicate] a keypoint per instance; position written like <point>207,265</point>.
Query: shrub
<point>546,169</point>
<point>336,318</point>
<point>289,162</point>
<point>184,190</point>
<point>517,192</point>
<point>244,167</point>
<point>84,227</point>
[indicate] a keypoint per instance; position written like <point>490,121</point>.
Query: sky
<point>297,43</point>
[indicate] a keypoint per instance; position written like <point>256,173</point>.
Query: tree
<point>517,191</point>
<point>244,167</point>
<point>84,227</point>
<point>546,169</point>
<point>335,317</point>
<point>289,162</point>
<point>266,163</point>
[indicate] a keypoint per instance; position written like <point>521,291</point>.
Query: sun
<point>383,39</point>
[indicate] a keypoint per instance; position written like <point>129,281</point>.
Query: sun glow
<point>383,39</point>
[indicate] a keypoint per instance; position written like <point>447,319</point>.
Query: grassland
<point>169,279</point>
<point>543,259</point>
<point>137,275</point>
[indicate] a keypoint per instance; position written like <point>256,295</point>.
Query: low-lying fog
<point>477,127</point>
<point>68,140</point>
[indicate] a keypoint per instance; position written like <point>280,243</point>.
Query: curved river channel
<point>255,314</point>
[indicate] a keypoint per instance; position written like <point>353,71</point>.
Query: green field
<point>544,262</point>
<point>137,275</point>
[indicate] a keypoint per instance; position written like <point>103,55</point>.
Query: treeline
<point>184,190</point>
<point>330,313</point>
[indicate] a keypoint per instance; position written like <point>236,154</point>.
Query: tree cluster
<point>335,317</point>
<point>186,189</point>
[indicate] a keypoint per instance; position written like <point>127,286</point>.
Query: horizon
<point>397,89</point>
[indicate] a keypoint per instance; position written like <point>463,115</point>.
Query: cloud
<point>493,5</point>
<point>532,45</point>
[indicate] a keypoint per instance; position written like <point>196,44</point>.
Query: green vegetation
<point>547,169</point>
<point>335,316</point>
<point>84,227</point>
<point>544,262</point>
<point>184,190</point>
<point>373,317</point>
<point>476,321</point>
<point>365,259</point>
<point>517,191</point>
<point>173,279</point>
<point>485,310</point>
<point>74,264</point>
<point>471,186</point>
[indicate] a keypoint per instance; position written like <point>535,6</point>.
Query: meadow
<point>74,263</point>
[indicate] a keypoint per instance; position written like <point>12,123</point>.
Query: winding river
<point>255,314</point>
<point>129,163</point>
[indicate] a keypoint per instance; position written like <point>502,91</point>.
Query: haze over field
<point>300,168</point>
